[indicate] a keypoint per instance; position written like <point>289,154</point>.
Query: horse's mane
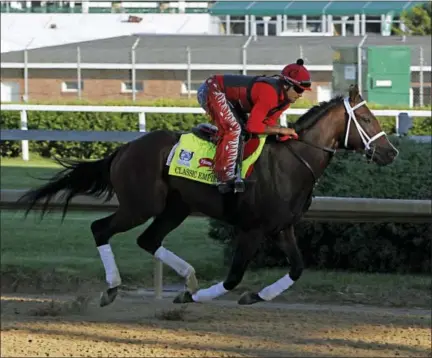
<point>312,116</point>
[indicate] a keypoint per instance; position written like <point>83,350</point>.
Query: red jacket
<point>262,97</point>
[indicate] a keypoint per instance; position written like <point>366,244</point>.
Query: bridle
<point>367,141</point>
<point>363,135</point>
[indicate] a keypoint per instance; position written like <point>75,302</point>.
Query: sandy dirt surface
<point>64,326</point>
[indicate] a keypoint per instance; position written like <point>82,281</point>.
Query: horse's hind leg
<point>175,212</point>
<point>247,245</point>
<point>103,229</point>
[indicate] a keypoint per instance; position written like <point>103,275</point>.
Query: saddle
<point>209,132</point>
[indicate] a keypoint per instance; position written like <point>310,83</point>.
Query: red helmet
<point>297,75</point>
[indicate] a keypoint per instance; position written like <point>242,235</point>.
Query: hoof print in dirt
<point>108,296</point>
<point>183,297</point>
<point>249,298</point>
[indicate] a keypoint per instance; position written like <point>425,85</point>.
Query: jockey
<point>228,98</point>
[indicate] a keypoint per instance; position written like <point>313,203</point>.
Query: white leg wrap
<point>275,289</point>
<point>209,293</point>
<point>111,271</point>
<point>179,265</point>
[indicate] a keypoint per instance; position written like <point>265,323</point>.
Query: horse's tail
<point>90,178</point>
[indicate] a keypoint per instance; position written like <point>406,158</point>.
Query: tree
<point>417,20</point>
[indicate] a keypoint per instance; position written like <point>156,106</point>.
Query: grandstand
<point>104,7</point>
<point>105,32</point>
<point>280,18</point>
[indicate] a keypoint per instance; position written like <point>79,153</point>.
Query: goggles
<point>299,86</point>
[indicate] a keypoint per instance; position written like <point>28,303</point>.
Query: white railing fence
<point>142,111</point>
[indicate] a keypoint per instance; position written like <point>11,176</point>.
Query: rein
<point>304,161</point>
<point>325,149</point>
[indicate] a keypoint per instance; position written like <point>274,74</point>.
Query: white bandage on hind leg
<point>275,289</point>
<point>111,271</point>
<point>179,265</point>
<point>209,293</point>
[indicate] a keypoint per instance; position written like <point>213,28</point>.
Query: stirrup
<point>226,187</point>
<point>236,185</point>
<point>239,185</point>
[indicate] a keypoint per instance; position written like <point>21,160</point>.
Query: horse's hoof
<point>192,283</point>
<point>183,297</point>
<point>108,296</point>
<point>249,298</point>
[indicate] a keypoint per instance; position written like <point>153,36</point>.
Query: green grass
<point>49,251</point>
<point>69,247</point>
<point>19,174</point>
<point>65,252</point>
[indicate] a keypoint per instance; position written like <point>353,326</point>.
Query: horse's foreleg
<point>288,244</point>
<point>246,247</point>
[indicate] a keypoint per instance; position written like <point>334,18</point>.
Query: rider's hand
<point>288,133</point>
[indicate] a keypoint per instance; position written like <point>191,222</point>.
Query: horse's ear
<point>354,93</point>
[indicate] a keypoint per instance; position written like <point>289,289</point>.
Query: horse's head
<point>363,132</point>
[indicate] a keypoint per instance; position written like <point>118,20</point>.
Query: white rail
<point>142,111</point>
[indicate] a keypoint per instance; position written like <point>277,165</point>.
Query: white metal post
<point>24,127</point>
<point>278,25</point>
<point>363,25</point>
<point>227,25</point>
<point>23,113</point>
<point>158,279</point>
<point>359,64</point>
<point>397,125</point>
<point>244,55</point>
<point>246,25</point>
<point>189,71</point>
<point>253,25</point>
<point>421,78</point>
<point>330,27</point>
<point>266,24</point>
<point>134,46</point>
<point>356,25</point>
<point>26,83</point>
<point>79,72</point>
<point>142,121</point>
<point>304,23</point>
<point>324,23</point>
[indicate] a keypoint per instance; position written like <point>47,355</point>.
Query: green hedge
<point>125,122</point>
<point>366,247</point>
<point>361,247</point>
<point>86,121</point>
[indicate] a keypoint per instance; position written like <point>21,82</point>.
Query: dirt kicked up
<point>64,326</point>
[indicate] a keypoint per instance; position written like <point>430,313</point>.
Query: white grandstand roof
<point>20,31</point>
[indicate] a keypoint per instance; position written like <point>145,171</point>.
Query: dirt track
<point>142,327</point>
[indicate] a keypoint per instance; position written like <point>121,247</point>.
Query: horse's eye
<point>366,119</point>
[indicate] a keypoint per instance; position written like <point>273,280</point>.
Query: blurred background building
<point>141,50</point>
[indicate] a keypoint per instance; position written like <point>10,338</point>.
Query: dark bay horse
<point>281,192</point>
